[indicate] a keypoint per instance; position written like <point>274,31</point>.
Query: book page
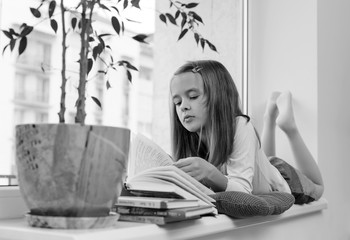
<point>180,178</point>
<point>145,154</point>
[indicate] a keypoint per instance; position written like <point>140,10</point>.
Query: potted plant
<point>75,171</point>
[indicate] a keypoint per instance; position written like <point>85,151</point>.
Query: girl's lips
<point>188,118</point>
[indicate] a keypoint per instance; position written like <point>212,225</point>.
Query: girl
<point>214,142</point>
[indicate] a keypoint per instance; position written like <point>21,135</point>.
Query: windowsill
<point>18,228</point>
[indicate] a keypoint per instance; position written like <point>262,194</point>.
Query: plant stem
<point>63,70</point>
<point>80,104</point>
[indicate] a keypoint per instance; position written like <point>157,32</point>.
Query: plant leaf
<point>13,32</point>
<point>3,51</point>
<point>177,14</point>
<point>53,25</point>
<point>116,9</point>
<point>191,5</point>
<point>135,3</point>
<point>171,18</point>
<point>184,19</point>
<point>26,30</point>
<point>108,85</point>
<point>104,35</point>
<point>104,7</point>
<point>196,37</point>
<point>130,20</point>
<point>52,7</point>
<point>35,12</point>
<point>128,73</point>
<point>130,66</point>
<point>97,101</point>
<point>95,51</point>
<point>211,46</point>
<point>182,33</point>
<point>140,38</point>
<point>103,45</point>
<point>22,45</point>
<point>8,34</point>
<point>116,24</point>
<point>125,5</point>
<point>162,18</point>
<point>74,22</point>
<point>202,42</point>
<point>12,44</point>
<point>90,63</point>
<point>196,16</point>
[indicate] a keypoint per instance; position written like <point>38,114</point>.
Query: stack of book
<point>157,191</point>
<point>159,210</point>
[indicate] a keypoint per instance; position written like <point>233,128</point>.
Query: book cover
<point>159,220</point>
<point>152,202</point>
<point>178,212</point>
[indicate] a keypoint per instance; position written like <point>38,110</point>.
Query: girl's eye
<point>194,97</point>
<point>177,103</point>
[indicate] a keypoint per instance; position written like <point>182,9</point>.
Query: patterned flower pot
<point>69,170</point>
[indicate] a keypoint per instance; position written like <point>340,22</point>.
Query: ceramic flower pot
<point>71,170</point>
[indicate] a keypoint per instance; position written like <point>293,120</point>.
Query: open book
<point>151,173</point>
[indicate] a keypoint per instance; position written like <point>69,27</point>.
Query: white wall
<point>334,111</point>
<point>283,56</point>
<point>304,46</point>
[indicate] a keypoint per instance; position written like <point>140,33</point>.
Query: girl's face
<point>190,102</point>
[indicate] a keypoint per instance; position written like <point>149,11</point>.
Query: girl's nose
<point>185,105</point>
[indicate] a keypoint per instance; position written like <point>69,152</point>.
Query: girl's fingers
<point>183,162</point>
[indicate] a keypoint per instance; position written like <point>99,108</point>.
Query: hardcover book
<point>153,202</point>
<point>151,173</point>
<point>159,220</point>
<point>177,212</point>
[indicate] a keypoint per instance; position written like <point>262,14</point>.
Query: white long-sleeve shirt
<point>248,168</point>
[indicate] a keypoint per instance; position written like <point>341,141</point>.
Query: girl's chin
<point>192,129</point>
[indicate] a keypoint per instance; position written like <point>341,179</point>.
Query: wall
<point>283,56</point>
<point>334,112</point>
<point>304,46</point>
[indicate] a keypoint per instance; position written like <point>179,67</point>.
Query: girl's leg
<point>285,120</point>
<point>269,126</point>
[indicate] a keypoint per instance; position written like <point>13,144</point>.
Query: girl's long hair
<point>223,106</point>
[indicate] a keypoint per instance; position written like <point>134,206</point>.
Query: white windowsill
<point>11,202</point>
<point>18,228</point>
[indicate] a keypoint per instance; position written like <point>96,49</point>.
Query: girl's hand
<point>196,167</point>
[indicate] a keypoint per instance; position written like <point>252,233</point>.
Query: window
<point>32,95</point>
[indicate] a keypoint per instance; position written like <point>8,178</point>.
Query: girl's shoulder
<point>244,124</point>
<point>245,131</point>
<point>243,120</point>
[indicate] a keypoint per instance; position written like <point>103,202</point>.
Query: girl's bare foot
<point>271,111</point>
<point>285,119</point>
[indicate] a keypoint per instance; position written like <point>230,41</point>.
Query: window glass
<point>33,90</point>
<point>33,80</point>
